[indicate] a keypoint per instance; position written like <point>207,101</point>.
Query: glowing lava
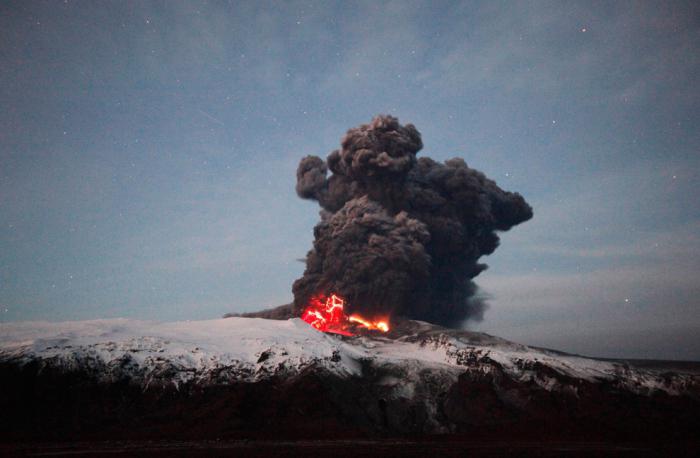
<point>328,315</point>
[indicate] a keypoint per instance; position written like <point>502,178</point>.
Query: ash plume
<point>398,234</point>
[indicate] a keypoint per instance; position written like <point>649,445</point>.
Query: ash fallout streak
<point>400,235</point>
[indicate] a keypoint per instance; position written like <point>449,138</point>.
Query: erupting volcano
<point>399,235</point>
<point>327,314</point>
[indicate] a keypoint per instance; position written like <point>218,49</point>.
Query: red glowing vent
<point>327,314</point>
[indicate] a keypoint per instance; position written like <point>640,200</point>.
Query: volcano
<point>256,378</point>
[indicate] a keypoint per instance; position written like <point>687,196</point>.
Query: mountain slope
<point>252,377</point>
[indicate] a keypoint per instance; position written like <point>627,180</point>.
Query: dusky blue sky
<point>148,153</point>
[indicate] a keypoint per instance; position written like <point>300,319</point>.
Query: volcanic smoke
<point>400,235</point>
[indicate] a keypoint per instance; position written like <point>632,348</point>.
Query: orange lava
<point>328,315</point>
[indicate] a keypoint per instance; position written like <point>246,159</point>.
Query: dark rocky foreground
<point>395,407</point>
<point>392,447</point>
<point>50,406</point>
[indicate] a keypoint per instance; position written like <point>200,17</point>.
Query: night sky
<point>148,153</point>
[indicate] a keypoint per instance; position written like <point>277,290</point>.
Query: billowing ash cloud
<point>398,234</point>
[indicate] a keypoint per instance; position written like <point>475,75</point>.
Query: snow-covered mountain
<point>247,372</point>
<point>252,349</point>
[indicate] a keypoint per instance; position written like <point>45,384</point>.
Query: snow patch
<point>251,349</point>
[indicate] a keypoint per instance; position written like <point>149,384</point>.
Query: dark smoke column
<point>398,234</point>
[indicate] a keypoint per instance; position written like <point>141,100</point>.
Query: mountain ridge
<point>253,377</point>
